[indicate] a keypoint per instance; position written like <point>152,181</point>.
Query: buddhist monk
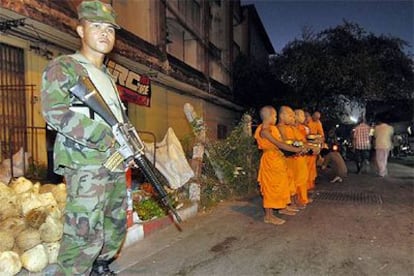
<point>317,134</point>
<point>272,176</point>
<point>284,127</point>
<point>315,126</point>
<point>300,120</point>
<point>297,166</point>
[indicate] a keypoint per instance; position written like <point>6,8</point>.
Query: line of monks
<point>288,164</point>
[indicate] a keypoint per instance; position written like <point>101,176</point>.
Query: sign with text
<point>132,87</point>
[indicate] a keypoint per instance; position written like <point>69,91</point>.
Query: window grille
<point>12,99</point>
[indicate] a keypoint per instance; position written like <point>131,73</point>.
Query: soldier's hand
<point>131,164</point>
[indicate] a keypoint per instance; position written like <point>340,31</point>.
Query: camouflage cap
<point>96,11</point>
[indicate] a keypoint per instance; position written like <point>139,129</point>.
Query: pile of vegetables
<point>31,225</point>
<point>146,204</point>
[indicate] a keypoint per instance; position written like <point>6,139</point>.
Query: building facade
<point>168,53</point>
<point>255,40</point>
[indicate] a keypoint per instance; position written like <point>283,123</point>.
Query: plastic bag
<point>170,160</point>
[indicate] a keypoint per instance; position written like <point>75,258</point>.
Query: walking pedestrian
<point>362,144</point>
<point>383,144</point>
<point>95,212</point>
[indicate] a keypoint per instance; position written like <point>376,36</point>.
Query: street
<point>363,226</point>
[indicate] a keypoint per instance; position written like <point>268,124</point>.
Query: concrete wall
<point>134,13</point>
<point>140,17</point>
<point>167,111</point>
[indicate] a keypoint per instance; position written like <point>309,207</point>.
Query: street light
<point>353,119</point>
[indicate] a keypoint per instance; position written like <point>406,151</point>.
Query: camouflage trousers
<point>95,219</point>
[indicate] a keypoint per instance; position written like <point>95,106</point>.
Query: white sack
<point>170,160</point>
<point>18,166</point>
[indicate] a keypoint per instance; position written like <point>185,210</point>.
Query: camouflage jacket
<point>81,142</point>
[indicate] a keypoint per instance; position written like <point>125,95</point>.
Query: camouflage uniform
<point>95,214</point>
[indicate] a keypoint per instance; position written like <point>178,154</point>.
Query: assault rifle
<point>131,149</point>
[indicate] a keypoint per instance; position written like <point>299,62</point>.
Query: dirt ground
<point>363,226</point>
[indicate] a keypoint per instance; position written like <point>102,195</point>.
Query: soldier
<point>95,212</point>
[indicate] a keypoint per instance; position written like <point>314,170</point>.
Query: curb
<point>139,231</point>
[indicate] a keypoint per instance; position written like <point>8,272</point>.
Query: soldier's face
<point>97,37</point>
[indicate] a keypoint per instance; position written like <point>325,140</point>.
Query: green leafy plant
<point>148,209</point>
<point>237,157</point>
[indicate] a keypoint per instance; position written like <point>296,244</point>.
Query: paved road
<point>346,235</point>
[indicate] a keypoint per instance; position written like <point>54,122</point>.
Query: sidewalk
<point>384,230</point>
<point>140,231</point>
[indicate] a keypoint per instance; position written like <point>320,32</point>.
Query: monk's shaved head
<point>286,115</point>
<point>299,116</point>
<point>285,109</point>
<point>300,112</point>
<point>266,112</point>
<point>316,115</point>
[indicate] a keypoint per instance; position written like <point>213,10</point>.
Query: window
<point>191,11</point>
<point>221,132</point>
<point>236,50</point>
<point>237,12</point>
<point>12,99</point>
<point>194,12</point>
<point>214,51</point>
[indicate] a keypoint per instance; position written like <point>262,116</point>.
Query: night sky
<point>284,20</point>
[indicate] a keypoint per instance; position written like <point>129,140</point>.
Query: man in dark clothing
<point>334,165</point>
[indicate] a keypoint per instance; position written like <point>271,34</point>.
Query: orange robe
<point>272,176</point>
<point>314,128</point>
<point>303,130</point>
<point>310,160</point>
<point>297,165</point>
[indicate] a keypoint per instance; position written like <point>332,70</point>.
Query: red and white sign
<point>132,87</point>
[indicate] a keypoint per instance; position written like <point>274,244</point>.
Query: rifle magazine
<point>113,162</point>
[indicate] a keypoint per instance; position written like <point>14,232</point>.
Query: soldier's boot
<point>101,268</point>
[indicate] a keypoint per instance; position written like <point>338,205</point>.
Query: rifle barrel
<point>149,173</point>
